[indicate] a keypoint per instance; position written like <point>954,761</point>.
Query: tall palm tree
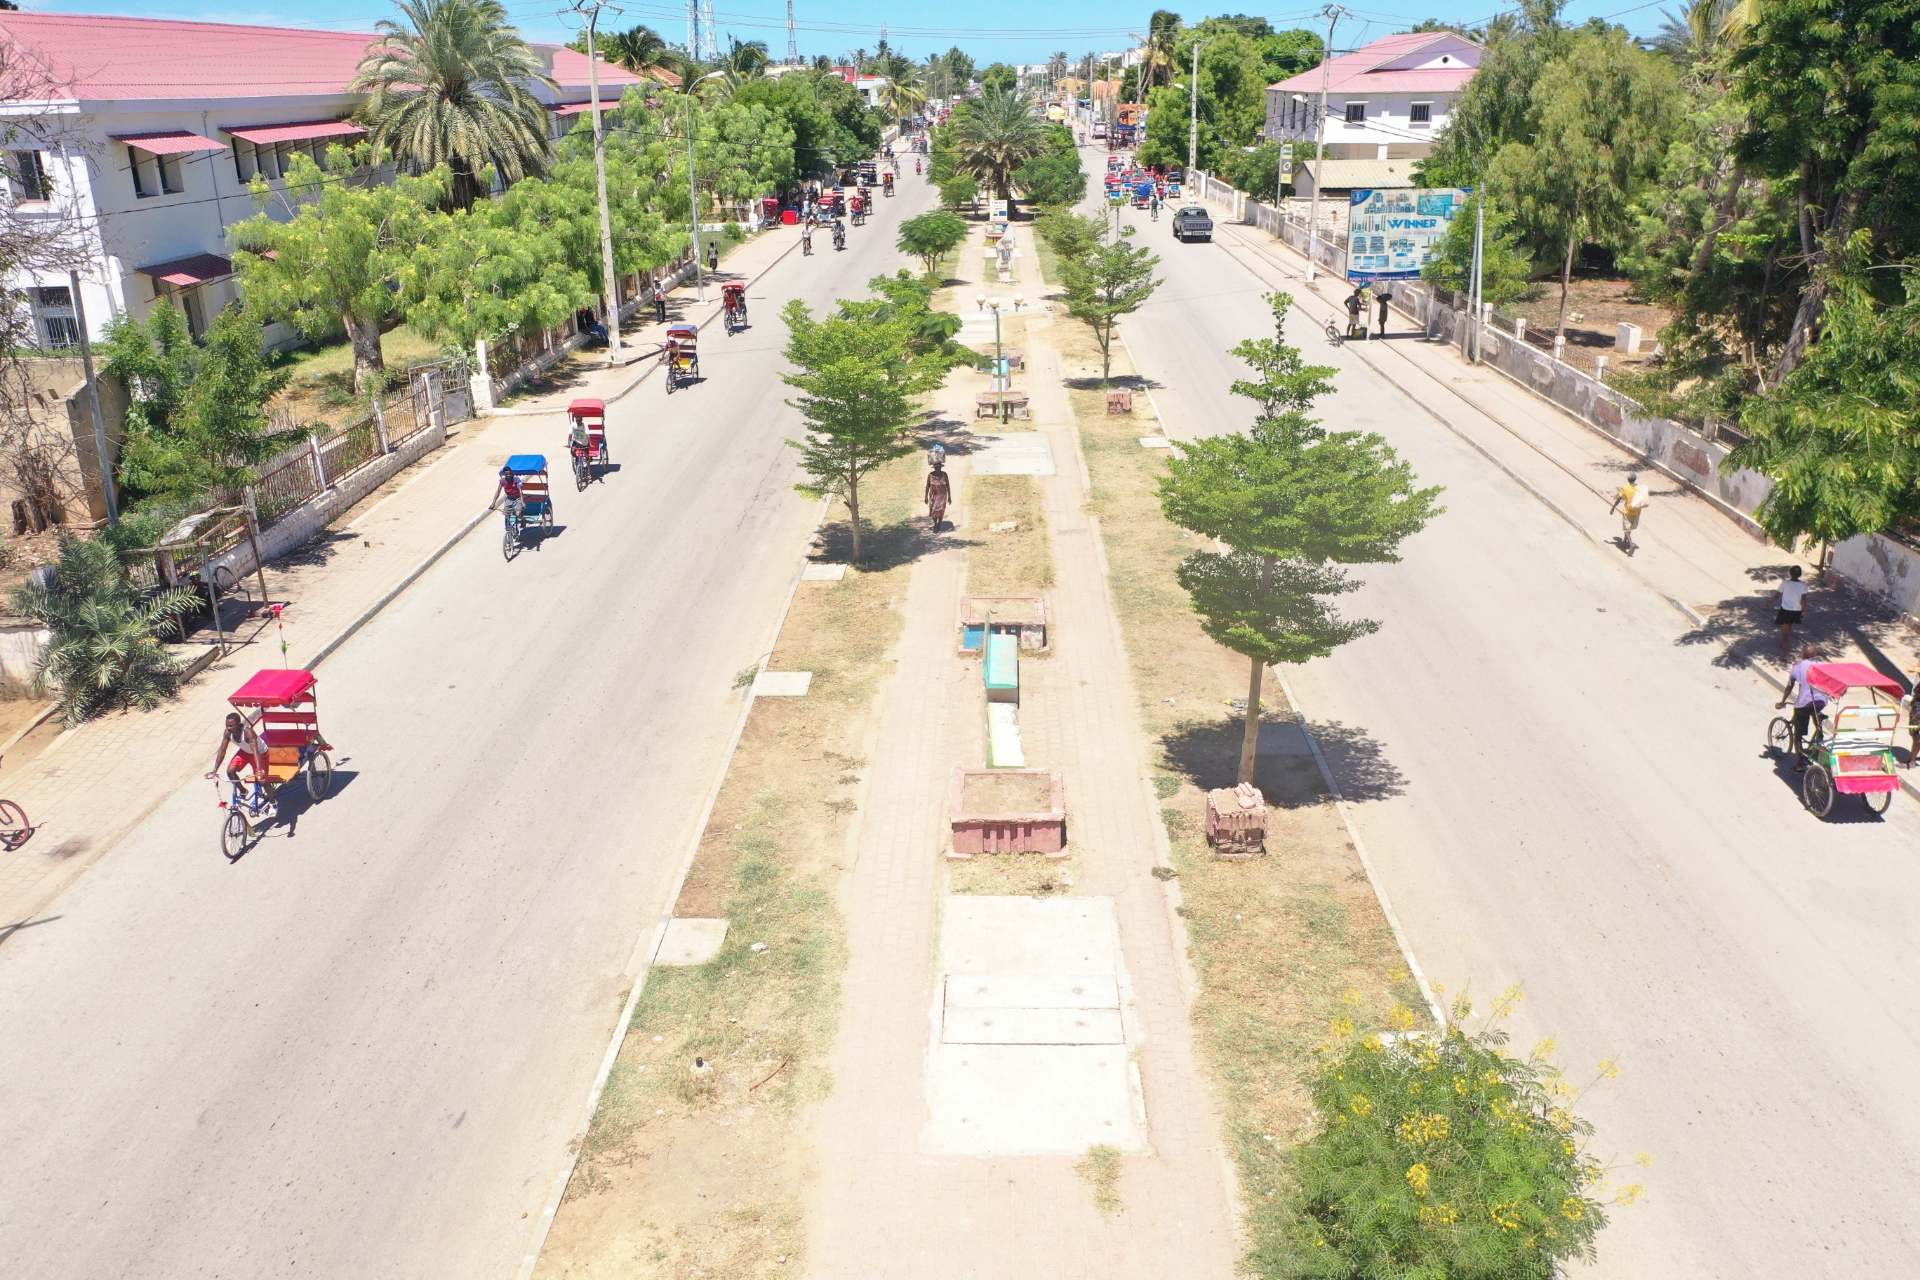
<point>641,50</point>
<point>905,92</point>
<point>1057,68</point>
<point>1697,32</point>
<point>451,87</point>
<point>1000,134</point>
<point>1163,32</point>
<point>745,58</point>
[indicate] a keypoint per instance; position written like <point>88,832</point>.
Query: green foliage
<point>1442,1157</point>
<point>959,191</point>
<point>831,123</point>
<point>1113,280</point>
<point>1071,236</point>
<point>197,420</point>
<point>450,87</point>
<point>859,374</point>
<point>1505,271</point>
<point>1054,178</point>
<point>1269,610</point>
<point>1000,134</point>
<point>1497,105</point>
<point>931,236</point>
<point>999,78</point>
<point>1841,436</point>
<point>105,651</point>
<point>905,297</point>
<point>331,257</point>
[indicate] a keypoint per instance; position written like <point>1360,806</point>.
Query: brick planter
<point>1237,821</point>
<point>1024,616</point>
<point>1041,831</point>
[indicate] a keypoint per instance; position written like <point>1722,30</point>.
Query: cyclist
<point>839,234</point>
<point>1153,203</point>
<point>252,751</point>
<point>806,239</point>
<point>578,439</point>
<point>1809,705</point>
<point>509,489</point>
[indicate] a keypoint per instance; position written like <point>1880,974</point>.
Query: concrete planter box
<point>1041,831</point>
<point>1023,616</point>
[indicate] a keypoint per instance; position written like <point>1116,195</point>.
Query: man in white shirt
<point>1792,609</point>
<point>1809,704</point>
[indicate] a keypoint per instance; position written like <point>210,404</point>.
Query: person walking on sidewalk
<point>713,256</point>
<point>1792,609</point>
<point>1809,704</point>
<point>1381,296</point>
<point>659,302</point>
<point>1629,502</point>
<point>939,490</point>
<point>1356,307</point>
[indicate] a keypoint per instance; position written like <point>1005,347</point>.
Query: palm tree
<point>1163,32</point>
<point>641,50</point>
<point>905,92</point>
<point>1697,32</point>
<point>1000,134</point>
<point>452,89</point>
<point>1057,68</point>
<point>745,59</point>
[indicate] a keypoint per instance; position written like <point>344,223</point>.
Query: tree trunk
<point>1106,355</point>
<point>1722,219</point>
<point>853,510</point>
<point>368,363</point>
<point>1250,740</point>
<point>1813,299</point>
<point>1566,281</point>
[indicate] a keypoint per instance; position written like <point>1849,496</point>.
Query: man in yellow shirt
<point>1629,502</point>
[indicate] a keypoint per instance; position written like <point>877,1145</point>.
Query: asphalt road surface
<point>1558,793</point>
<point>363,1050</point>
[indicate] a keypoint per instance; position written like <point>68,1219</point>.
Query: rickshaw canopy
<point>1835,678</point>
<point>588,408</point>
<point>683,332</point>
<point>527,464</point>
<point>731,289</point>
<point>275,688</point>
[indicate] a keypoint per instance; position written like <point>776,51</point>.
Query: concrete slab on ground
<point>1018,991</point>
<point>1012,453</point>
<point>1031,1026</point>
<point>691,941</point>
<point>823,573</point>
<point>782,684</point>
<point>1031,1100</point>
<point>1033,937</point>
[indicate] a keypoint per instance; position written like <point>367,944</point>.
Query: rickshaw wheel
<point>1816,791</point>
<point>235,835</point>
<point>319,775</point>
<point>1780,733</point>
<point>606,459</point>
<point>1878,801</point>
<point>581,473</point>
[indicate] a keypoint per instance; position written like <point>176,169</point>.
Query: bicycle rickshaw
<point>536,499</point>
<point>1853,754</point>
<point>886,183</point>
<point>288,722</point>
<point>591,414</point>
<point>681,355</point>
<point>733,296</point>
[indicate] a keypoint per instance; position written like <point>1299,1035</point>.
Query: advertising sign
<point>1286,161</point>
<point>1392,234</point>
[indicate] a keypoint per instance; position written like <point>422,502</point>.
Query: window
<point>245,162</point>
<point>27,171</point>
<point>1421,113</point>
<point>196,313</point>
<point>172,182</point>
<point>1356,113</point>
<point>53,309</point>
<point>145,181</point>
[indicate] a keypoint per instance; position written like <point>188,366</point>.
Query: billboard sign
<point>1391,235</point>
<point>1286,161</point>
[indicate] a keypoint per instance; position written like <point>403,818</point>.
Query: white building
<point>1385,101</point>
<point>162,125</point>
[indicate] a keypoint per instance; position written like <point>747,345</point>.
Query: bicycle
<point>250,814</point>
<point>513,525</point>
<point>1335,334</point>
<point>15,830</point>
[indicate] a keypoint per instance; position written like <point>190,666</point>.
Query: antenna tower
<point>793,48</point>
<point>693,29</point>
<point>713,32</point>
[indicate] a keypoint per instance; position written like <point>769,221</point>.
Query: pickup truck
<point>1192,223</point>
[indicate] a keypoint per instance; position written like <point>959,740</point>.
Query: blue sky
<point>919,28</point>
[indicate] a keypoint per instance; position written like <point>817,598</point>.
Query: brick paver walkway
<point>881,1208</point>
<point>93,785</point>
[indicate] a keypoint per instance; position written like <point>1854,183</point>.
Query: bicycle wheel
<point>319,775</point>
<point>511,543</point>
<point>1333,333</point>
<point>1816,791</point>
<point>1878,801</point>
<point>1780,733</point>
<point>235,835</point>
<point>580,472</point>
<point>670,379</point>
<point>14,827</point>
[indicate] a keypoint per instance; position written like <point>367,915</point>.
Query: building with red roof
<point>148,133</point>
<point>1385,101</point>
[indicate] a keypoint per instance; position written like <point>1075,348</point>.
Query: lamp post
<point>1332,12</point>
<point>999,363</point>
<point>590,9</point>
<point>1193,115</point>
<point>693,189</point>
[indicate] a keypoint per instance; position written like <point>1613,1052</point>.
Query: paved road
<point>1559,794</point>
<point>362,1050</point>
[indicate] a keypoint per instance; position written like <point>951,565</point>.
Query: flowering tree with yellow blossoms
<point>1442,1157</point>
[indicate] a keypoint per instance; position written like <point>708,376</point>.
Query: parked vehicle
<point>1192,223</point>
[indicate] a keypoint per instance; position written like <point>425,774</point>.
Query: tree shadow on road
<point>1838,615</point>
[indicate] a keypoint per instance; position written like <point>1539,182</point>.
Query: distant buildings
<point>1385,101</point>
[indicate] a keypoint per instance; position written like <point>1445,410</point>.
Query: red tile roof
<point>174,142</point>
<point>262,135</point>
<point>186,272</point>
<point>96,57</point>
<point>1359,71</point>
<point>570,70</point>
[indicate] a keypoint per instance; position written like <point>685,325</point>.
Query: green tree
<point>859,378</point>
<point>1604,116</point>
<point>330,259</point>
<point>959,190</point>
<point>640,49</point>
<point>1841,436</point>
<point>999,78</point>
<point>1497,105</point>
<point>831,123</point>
<point>1289,499</point>
<point>1113,280</point>
<point>452,87</point>
<point>1000,134</point>
<point>104,652</point>
<point>1159,50</point>
<point>1506,272</point>
<point>1053,180</point>
<point>1071,236</point>
<point>931,236</point>
<point>1442,1156</point>
<point>154,360</point>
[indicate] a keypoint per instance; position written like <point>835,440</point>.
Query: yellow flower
<point>1644,1160</point>
<point>1462,1008</point>
<point>1630,1194</point>
<point>1398,974</point>
<point>1438,1216</point>
<point>1424,1128</point>
<point>1342,1026</point>
<point>1507,1215</point>
<point>1503,1003</point>
<point>1361,1105</point>
<point>1572,1209</point>
<point>1352,997</point>
<point>1610,1068</point>
<point>1401,1018</point>
<point>1544,1049</point>
<point>1417,1179</point>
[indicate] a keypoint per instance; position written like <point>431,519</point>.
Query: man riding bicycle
<point>509,489</point>
<point>806,239</point>
<point>252,752</point>
<point>839,234</point>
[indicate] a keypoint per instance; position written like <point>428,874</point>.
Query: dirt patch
<point>1281,943</point>
<point>695,1163</point>
<point>1024,875</point>
<point>995,793</point>
<point>1007,562</point>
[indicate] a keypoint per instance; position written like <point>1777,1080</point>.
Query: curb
<point>326,650</point>
<point>650,945</point>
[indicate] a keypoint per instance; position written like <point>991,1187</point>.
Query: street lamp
<point>693,190</point>
<point>999,362</point>
<point>591,10</point>
<point>1193,114</point>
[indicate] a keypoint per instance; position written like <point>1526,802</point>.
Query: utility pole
<point>1333,13</point>
<point>1474,285</point>
<point>1193,116</point>
<point>793,47</point>
<point>590,10</point>
<point>693,188</point>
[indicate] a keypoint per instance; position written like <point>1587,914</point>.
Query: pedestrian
<point>713,256</point>
<point>1630,502</point>
<point>659,301</point>
<point>1355,306</point>
<point>939,492</point>
<point>1381,296</point>
<point>1809,704</point>
<point>1792,610</point>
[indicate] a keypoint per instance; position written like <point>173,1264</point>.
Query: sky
<point>918,28</point>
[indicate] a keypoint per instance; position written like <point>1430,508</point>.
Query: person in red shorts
<point>251,754</point>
